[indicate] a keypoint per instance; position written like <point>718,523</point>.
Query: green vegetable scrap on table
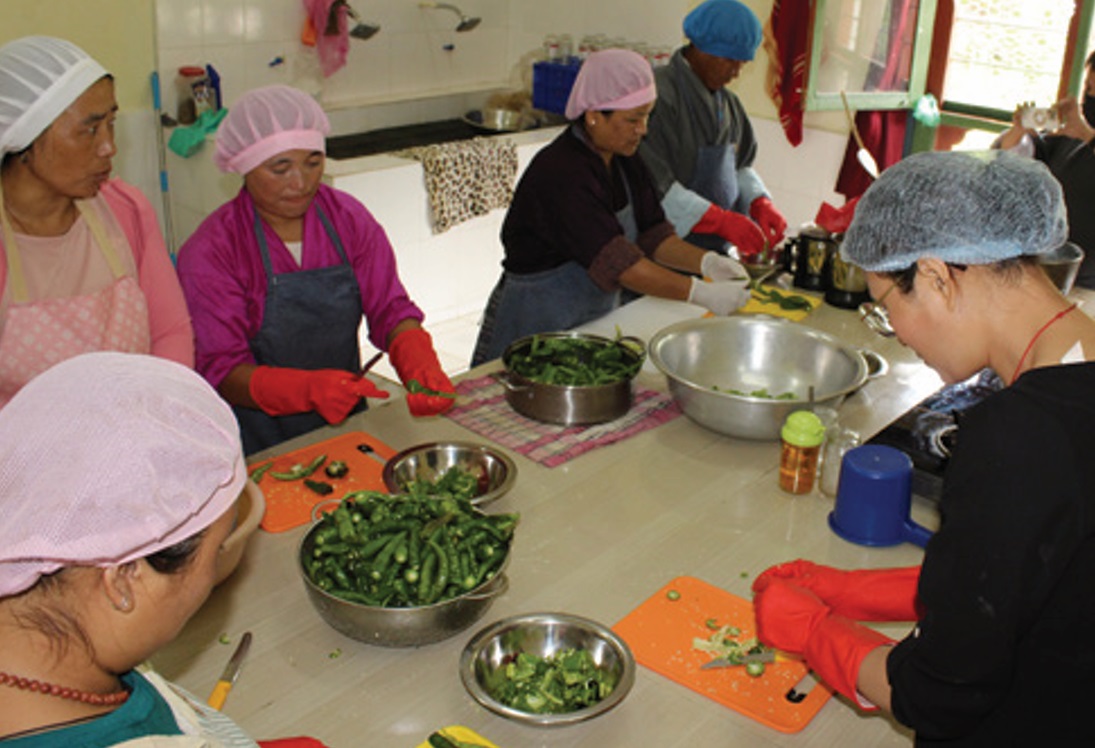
<point>405,550</point>
<point>574,362</point>
<point>561,683</point>
<point>788,301</point>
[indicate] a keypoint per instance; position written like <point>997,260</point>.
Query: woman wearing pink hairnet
<point>277,281</point>
<point>103,560</point>
<point>83,265</point>
<point>585,220</point>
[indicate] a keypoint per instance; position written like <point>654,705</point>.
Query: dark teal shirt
<point>144,713</point>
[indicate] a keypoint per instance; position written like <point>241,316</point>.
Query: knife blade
<point>231,672</point>
<point>721,662</point>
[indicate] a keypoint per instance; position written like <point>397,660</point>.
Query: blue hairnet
<point>957,206</point>
<point>724,28</point>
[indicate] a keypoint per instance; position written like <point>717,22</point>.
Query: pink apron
<point>41,333</point>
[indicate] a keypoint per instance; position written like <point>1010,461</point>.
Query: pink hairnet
<point>40,77</point>
<point>611,79</point>
<point>268,121</point>
<point>109,457</point>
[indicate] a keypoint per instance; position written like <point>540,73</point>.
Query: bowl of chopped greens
<point>547,669</point>
<point>407,569</point>
<point>743,375</point>
<point>476,472</point>
<point>571,378</point>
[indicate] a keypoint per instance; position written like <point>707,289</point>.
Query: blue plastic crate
<point>551,84</point>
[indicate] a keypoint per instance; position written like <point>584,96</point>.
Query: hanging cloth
<point>786,40</point>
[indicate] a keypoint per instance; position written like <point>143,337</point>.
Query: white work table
<point>598,535</point>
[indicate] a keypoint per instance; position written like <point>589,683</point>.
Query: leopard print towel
<point>467,178</point>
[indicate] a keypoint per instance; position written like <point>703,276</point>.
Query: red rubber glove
<point>734,228</point>
<point>332,393</point>
<point>795,620</point>
<point>291,743</point>
<point>862,595</point>
<point>770,220</point>
<point>414,359</point>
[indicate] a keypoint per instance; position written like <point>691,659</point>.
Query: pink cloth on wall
<point>332,50</point>
<point>169,321</point>
<point>786,39</point>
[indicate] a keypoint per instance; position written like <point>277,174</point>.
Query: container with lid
<point>195,93</point>
<point>801,437</point>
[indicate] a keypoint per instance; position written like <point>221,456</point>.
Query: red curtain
<point>786,40</point>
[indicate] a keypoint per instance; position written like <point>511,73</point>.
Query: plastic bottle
<point>801,438</point>
<point>838,441</point>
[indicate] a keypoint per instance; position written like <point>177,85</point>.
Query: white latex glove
<point>721,268</point>
<point>721,297</point>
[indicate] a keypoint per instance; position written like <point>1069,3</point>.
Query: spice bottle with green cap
<point>801,436</point>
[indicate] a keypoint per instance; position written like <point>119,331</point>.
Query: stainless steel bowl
<point>749,354</point>
<point>544,634</point>
<point>495,120</point>
<point>400,627</point>
<point>565,404</point>
<point>494,469</point>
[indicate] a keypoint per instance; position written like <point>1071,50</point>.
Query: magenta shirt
<point>224,282</point>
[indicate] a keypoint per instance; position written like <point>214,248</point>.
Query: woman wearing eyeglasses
<point>1001,651</point>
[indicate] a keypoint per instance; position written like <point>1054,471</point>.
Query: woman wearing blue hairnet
<point>1001,652</point>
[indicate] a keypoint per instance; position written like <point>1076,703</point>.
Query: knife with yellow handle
<point>231,672</point>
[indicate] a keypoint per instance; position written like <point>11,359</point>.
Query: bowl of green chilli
<point>479,472</point>
<point>406,569</point>
<point>547,669</point>
<point>571,378</point>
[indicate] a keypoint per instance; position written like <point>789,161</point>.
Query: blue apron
<point>549,301</point>
<point>715,176</point>
<point>310,321</point>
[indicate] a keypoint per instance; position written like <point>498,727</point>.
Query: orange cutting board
<point>289,503</point>
<point>660,633</point>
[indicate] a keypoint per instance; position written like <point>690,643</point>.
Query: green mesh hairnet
<point>957,206</point>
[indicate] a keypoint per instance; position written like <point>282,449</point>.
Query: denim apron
<point>549,301</point>
<point>715,176</point>
<point>310,321</point>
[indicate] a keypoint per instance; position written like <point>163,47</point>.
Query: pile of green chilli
<point>558,684</point>
<point>574,362</point>
<point>407,550</point>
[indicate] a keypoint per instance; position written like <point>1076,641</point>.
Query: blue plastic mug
<point>874,497</point>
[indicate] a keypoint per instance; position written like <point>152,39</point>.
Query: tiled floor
<point>454,341</point>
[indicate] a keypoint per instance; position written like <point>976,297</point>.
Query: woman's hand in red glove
<point>429,390</point>
<point>332,393</point>
<point>770,220</point>
<point>795,620</point>
<point>735,228</point>
<point>862,594</point>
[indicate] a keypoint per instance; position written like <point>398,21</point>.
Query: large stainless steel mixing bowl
<point>710,362</point>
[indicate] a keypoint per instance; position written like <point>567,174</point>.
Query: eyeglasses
<point>874,315</point>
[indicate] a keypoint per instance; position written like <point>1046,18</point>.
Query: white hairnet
<point>40,77</point>
<point>267,121</point>
<point>957,206</point>
<point>109,457</point>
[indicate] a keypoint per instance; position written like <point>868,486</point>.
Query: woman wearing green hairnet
<point>1001,652</point>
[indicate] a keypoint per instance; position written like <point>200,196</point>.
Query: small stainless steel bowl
<point>493,468</point>
<point>545,634</point>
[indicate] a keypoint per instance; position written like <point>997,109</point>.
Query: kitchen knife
<point>721,662</point>
<point>231,672</point>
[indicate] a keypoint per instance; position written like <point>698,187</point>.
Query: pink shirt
<point>224,281</point>
<point>58,267</point>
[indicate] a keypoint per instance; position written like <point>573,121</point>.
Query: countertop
<point>598,536</point>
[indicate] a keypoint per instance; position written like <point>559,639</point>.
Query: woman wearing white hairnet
<point>104,558</point>
<point>1002,651</point>
<point>83,265</point>
<point>585,221</point>
<point>278,279</point>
